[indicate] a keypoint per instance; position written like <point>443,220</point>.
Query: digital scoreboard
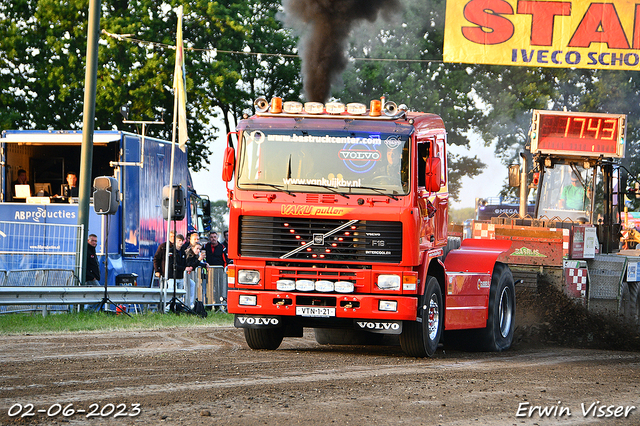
<point>578,133</point>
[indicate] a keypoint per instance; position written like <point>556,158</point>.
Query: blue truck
<point>37,221</point>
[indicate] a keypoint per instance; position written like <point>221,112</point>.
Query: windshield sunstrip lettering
<point>298,210</point>
<point>325,139</point>
<point>334,183</point>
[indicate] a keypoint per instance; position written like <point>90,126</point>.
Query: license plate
<point>305,311</point>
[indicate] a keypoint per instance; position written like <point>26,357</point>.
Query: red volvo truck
<point>338,222</point>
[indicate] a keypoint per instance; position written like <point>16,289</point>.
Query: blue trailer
<point>33,226</point>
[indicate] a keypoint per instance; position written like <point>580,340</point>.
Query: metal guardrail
<point>18,295</point>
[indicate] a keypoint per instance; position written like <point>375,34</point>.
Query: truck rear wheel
<point>264,338</point>
<point>420,339</point>
<point>498,334</point>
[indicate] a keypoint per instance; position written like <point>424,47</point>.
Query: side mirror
<point>514,175</point>
<point>206,207</point>
<point>433,174</point>
<point>228,164</point>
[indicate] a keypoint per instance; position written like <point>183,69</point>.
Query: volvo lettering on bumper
<point>253,321</point>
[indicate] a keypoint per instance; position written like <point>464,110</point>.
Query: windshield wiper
<point>272,185</point>
<point>379,191</point>
<point>335,191</point>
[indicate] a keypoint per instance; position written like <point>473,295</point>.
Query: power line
<point>153,44</point>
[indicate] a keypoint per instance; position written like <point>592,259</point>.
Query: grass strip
<point>35,323</point>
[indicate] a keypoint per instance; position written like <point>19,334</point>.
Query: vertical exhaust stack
<point>324,26</point>
<point>524,193</point>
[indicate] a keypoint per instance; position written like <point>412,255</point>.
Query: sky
<point>488,184</point>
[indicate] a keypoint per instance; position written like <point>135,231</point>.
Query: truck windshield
<point>566,192</point>
<point>325,162</point>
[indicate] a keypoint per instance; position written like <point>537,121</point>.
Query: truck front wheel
<point>420,339</point>
<point>264,338</point>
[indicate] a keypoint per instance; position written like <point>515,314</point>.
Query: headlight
<point>344,287</point>
<point>324,286</point>
<point>389,282</point>
<point>388,305</point>
<point>248,300</point>
<point>285,285</point>
<point>248,277</point>
<point>305,285</point>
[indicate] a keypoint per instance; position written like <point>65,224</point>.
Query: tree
<point>429,85</point>
<point>43,49</point>
<point>219,213</point>
<point>494,101</point>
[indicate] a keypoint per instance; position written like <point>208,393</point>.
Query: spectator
<point>225,243</point>
<point>179,241</point>
<point>21,180</point>
<point>70,189</point>
<point>193,259</point>
<point>193,239</point>
<point>216,253</point>
<point>92,268</point>
<point>159,261</point>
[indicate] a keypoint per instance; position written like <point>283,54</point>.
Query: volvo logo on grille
<point>318,239</point>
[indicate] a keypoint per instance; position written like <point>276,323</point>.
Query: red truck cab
<point>338,219</point>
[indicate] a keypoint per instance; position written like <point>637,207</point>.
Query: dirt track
<point>209,376</point>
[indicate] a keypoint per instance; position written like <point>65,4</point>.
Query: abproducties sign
<point>560,34</point>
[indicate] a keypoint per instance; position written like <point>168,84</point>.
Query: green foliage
<point>494,101</point>
<point>21,323</point>
<point>219,213</point>
<point>444,89</point>
<point>43,48</point>
<point>42,62</point>
<point>460,215</point>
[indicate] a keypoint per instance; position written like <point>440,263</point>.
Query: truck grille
<point>277,237</point>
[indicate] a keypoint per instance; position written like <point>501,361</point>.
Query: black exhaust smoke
<point>324,26</point>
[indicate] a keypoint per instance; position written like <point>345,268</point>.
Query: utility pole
<point>89,111</point>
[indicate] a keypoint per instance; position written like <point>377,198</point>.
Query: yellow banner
<point>560,34</point>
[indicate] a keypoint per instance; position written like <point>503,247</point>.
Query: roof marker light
<point>292,107</point>
<point>335,107</point>
<point>356,108</point>
<point>375,109</point>
<point>313,107</point>
<point>276,105</point>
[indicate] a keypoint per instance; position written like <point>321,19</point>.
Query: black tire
<point>453,243</point>
<point>420,339</point>
<point>630,303</point>
<point>498,335</point>
<point>327,336</point>
<point>264,338</point>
